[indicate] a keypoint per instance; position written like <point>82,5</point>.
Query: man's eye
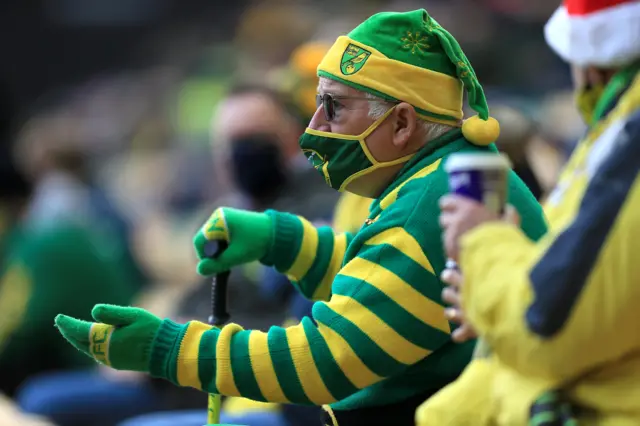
<point>337,105</point>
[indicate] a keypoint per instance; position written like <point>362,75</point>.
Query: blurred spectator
<point>67,250</point>
<point>42,271</point>
<point>287,25</point>
<point>45,271</point>
<point>54,153</point>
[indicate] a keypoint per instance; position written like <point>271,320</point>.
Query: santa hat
<point>603,33</point>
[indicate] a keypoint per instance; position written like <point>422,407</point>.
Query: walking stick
<point>219,317</point>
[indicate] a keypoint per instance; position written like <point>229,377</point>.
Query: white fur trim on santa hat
<point>607,38</point>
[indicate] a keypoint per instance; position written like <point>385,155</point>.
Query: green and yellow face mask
<point>343,158</point>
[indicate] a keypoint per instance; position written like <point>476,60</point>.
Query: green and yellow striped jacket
<point>377,335</point>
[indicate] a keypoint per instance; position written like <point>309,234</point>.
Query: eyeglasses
<point>330,103</point>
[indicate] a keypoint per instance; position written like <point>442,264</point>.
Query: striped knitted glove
<point>249,236</point>
<point>121,338</point>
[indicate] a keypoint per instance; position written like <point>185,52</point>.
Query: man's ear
<point>405,124</point>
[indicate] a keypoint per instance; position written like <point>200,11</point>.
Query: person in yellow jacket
<point>560,315</point>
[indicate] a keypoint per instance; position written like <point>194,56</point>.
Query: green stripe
<point>284,367</point>
<point>287,240</point>
<point>164,350</point>
<point>313,277</point>
<point>406,268</point>
<point>454,121</point>
<point>207,360</point>
<point>350,237</point>
<point>332,375</point>
<point>241,367</point>
<point>393,314</point>
<point>374,357</point>
<point>352,250</point>
<point>355,249</point>
<point>173,366</point>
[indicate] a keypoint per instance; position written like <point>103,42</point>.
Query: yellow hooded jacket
<point>563,312</point>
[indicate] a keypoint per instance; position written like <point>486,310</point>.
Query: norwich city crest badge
<point>353,59</point>
<point>319,163</point>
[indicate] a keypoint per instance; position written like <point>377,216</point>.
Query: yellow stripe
<point>188,355</point>
<point>391,197</point>
<point>350,212</point>
<point>224,375</point>
<point>307,252</point>
<point>324,288</point>
<point>400,239</point>
<point>310,378</point>
<point>236,406</point>
<point>426,89</point>
<point>379,331</point>
<point>350,363</point>
<point>397,289</point>
<point>262,366</point>
<point>99,339</point>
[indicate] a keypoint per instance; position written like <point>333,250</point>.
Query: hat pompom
<point>481,132</point>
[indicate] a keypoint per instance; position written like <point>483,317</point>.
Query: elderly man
<point>378,343</point>
<point>564,327</point>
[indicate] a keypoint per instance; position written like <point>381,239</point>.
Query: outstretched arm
<point>384,315</point>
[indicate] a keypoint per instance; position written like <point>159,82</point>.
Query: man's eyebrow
<point>321,90</point>
<point>333,92</point>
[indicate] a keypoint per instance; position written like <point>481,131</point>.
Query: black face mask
<point>258,166</point>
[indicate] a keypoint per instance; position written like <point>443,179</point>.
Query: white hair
<point>378,107</point>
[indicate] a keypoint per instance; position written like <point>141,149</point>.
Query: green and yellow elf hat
<point>409,57</point>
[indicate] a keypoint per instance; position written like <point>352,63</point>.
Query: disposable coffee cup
<point>480,176</point>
